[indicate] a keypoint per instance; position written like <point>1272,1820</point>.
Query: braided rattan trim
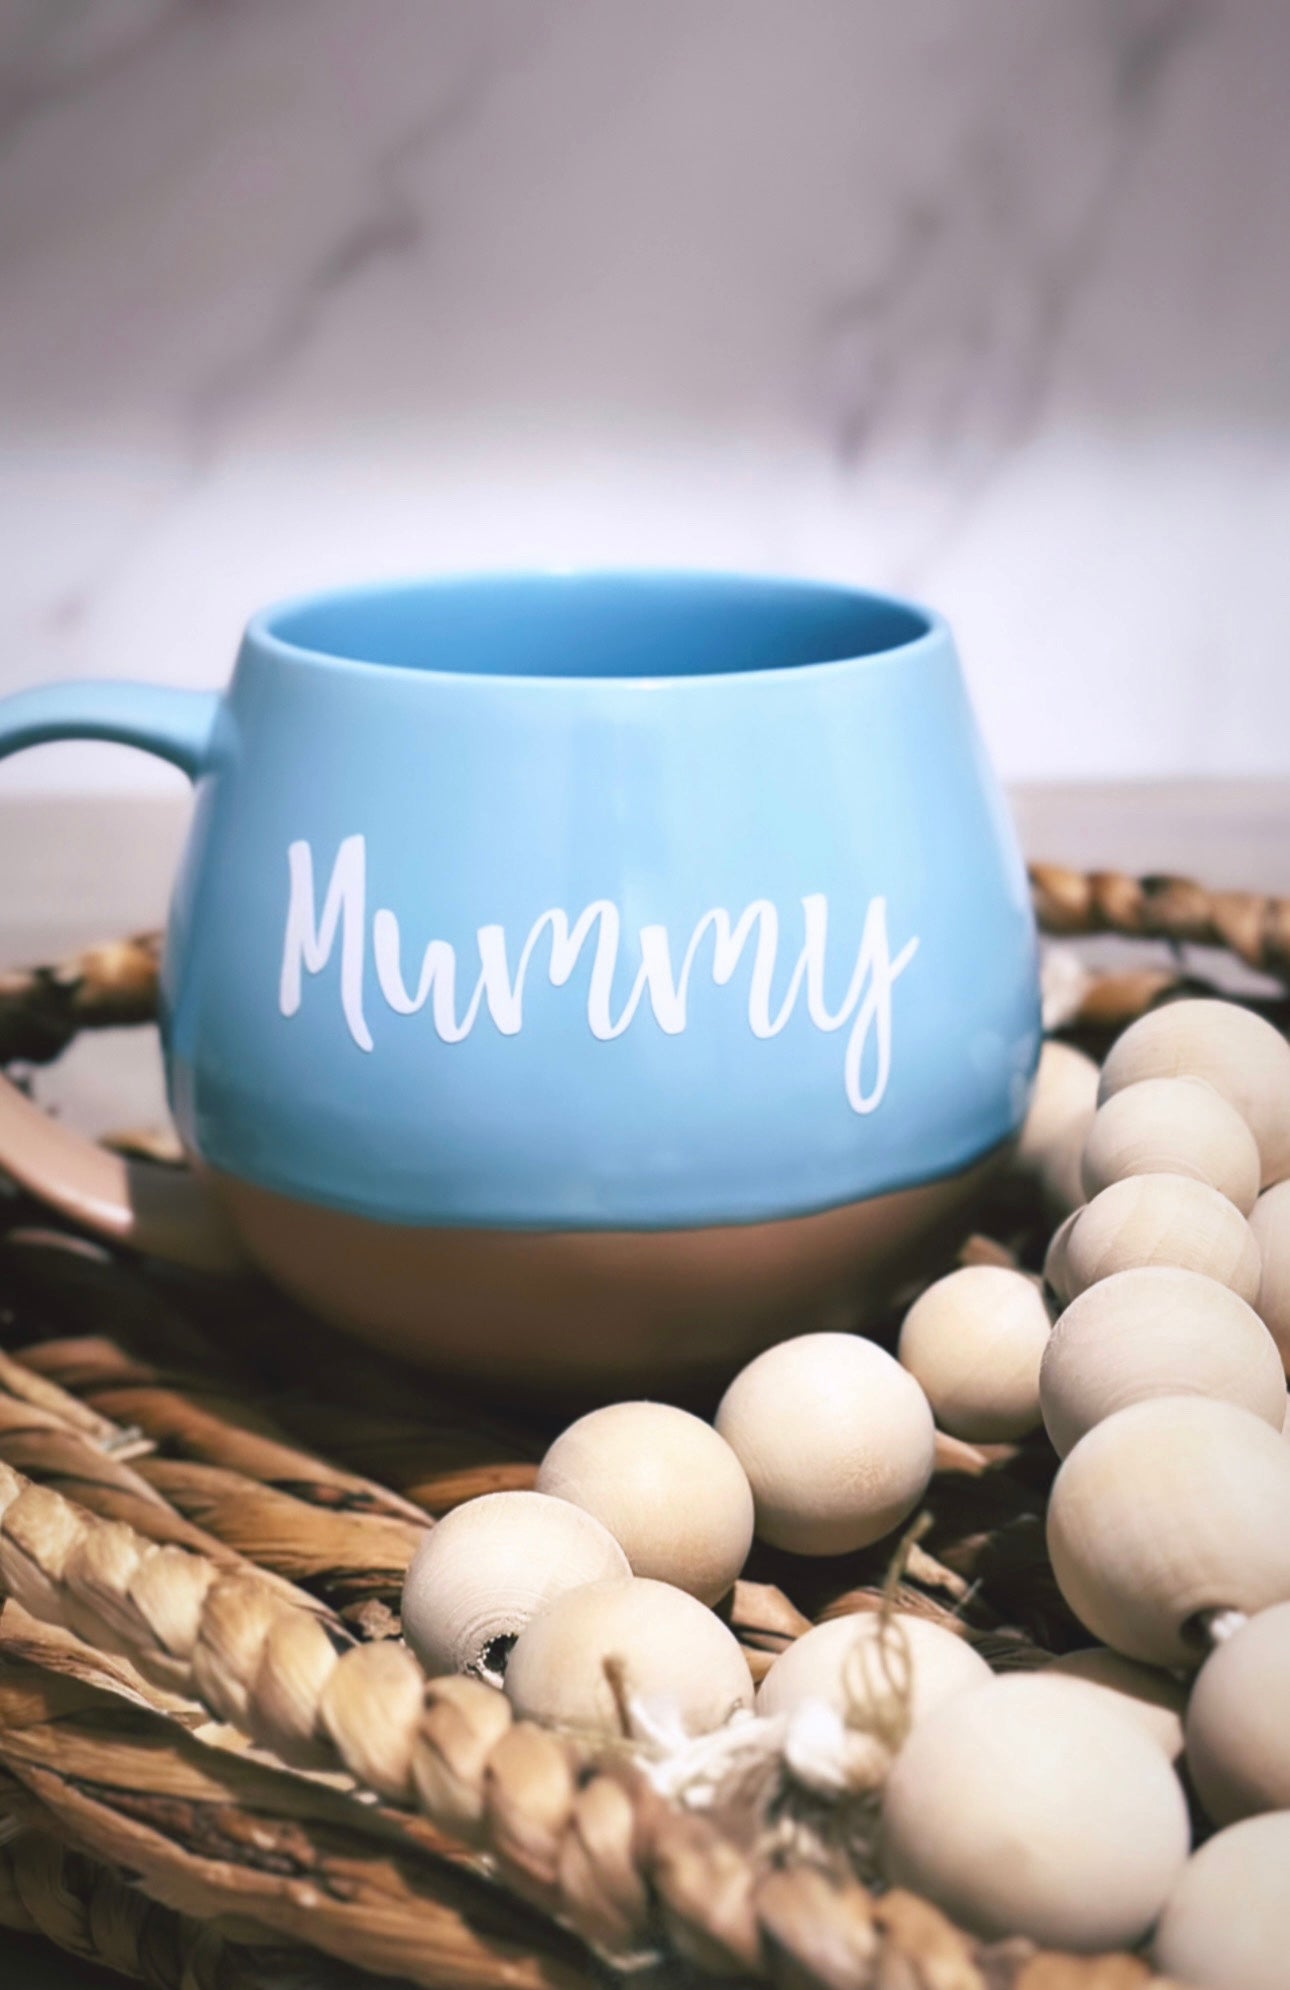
<point>1253,927</point>
<point>581,1833</point>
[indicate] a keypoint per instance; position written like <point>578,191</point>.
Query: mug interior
<point>597,625</point>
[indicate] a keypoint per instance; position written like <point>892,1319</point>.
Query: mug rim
<point>264,628</point>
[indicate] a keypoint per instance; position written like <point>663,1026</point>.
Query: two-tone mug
<point>576,979</point>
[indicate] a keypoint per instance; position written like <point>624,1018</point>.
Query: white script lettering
<point>866,1005</point>
<point>309,944</point>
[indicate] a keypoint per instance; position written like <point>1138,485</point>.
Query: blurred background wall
<point>988,302</point>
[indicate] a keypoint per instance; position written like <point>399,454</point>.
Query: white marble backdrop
<point>986,301</point>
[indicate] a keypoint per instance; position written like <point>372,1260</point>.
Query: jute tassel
<point>591,1841</point>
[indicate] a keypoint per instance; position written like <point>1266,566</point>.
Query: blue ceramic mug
<point>576,977</point>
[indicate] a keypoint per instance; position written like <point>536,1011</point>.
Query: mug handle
<point>164,1212</point>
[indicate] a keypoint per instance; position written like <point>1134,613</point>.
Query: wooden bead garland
<point>1151,1698</point>
<point>1160,1219</point>
<point>1050,1145</point>
<point>1056,1274</point>
<point>974,1341</point>
<point>1166,1511</point>
<point>1237,1052</point>
<point>1155,1331</point>
<point>478,1577</point>
<point>1226,1923</point>
<point>668,1488</point>
<point>1043,1764</point>
<point>837,1441</point>
<point>1238,1720</point>
<point>1270,1222</point>
<point>677,1660</point>
<point>1172,1126</point>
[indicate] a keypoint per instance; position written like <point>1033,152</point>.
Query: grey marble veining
<point>990,304</point>
<point>958,336</point>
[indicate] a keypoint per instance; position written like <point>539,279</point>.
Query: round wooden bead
<point>677,1661</point>
<point>973,1342</point>
<point>1153,1700</point>
<point>865,1667</point>
<point>1238,1721</point>
<point>668,1488</point>
<point>1166,1510</point>
<point>484,1569</point>
<point>1051,1141</point>
<point>1160,1219</point>
<point>1029,1807</point>
<point>1270,1223</point>
<point>837,1441</point>
<point>1172,1126</point>
<point>1055,1269</point>
<point>1237,1052</point>
<point>1156,1331</point>
<point>1226,1923</point>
